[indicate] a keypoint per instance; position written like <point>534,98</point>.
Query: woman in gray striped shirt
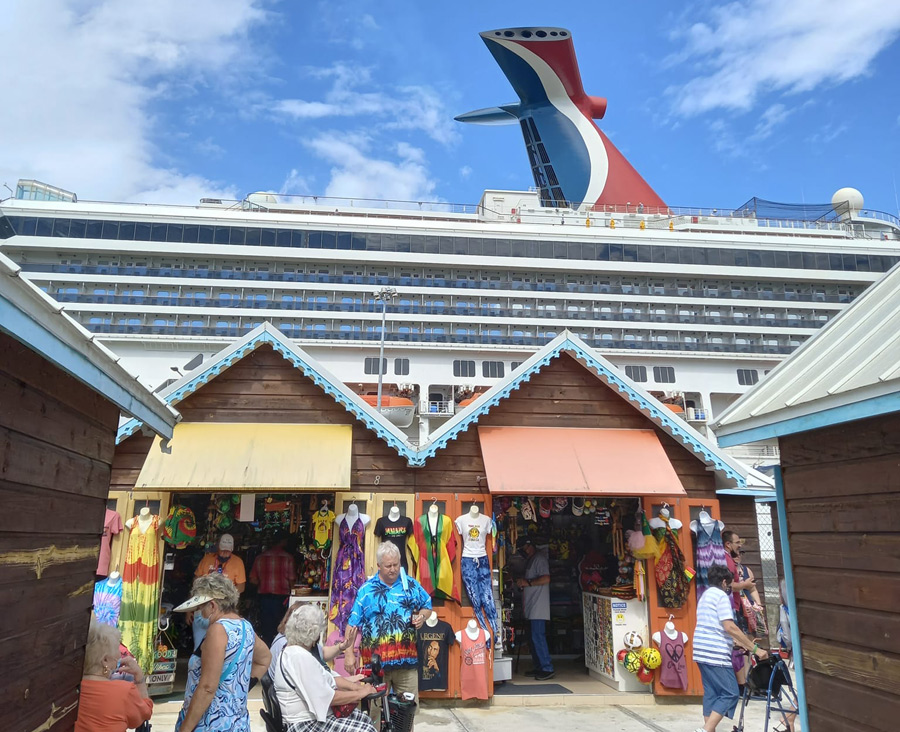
<point>715,635</point>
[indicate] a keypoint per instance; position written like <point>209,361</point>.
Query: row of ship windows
<point>840,293</point>
<point>439,307</point>
<point>449,245</point>
<point>441,334</point>
<point>497,370</point>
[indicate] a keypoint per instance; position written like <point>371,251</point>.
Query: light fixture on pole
<point>385,295</point>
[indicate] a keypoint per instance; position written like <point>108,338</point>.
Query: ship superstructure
<point>696,304</point>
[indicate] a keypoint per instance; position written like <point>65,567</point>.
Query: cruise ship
<point>696,304</point>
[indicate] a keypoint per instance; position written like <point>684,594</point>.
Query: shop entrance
<point>594,601</point>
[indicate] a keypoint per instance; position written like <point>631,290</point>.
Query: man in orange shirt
<point>225,562</point>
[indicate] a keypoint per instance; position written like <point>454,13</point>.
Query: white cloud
<point>465,171</point>
<point>751,47</point>
<point>80,83</point>
<point>354,94</point>
<point>357,174</point>
<point>296,184</point>
<point>770,119</point>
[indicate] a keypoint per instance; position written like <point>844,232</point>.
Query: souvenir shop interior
<point>465,549</point>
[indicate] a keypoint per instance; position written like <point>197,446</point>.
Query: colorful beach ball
<point>651,658</point>
<point>620,656</point>
<point>644,675</point>
<point>632,662</point>
<point>633,639</point>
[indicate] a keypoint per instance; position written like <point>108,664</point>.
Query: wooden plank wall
<point>57,438</point>
<point>842,491</point>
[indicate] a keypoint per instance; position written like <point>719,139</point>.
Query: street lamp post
<point>385,295</point>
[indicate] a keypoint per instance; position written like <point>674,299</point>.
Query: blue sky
<point>712,102</point>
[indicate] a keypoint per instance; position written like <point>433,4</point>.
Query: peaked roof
<point>39,322</point>
<point>266,334</point>
<point>567,342</point>
<point>849,370</point>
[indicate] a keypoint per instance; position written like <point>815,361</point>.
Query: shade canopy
<point>217,456</point>
<point>572,461</point>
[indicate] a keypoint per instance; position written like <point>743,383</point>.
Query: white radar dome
<point>849,196</point>
<point>268,198</point>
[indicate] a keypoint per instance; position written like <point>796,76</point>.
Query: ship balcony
<point>438,408</point>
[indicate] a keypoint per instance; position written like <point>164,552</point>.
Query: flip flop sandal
<point>546,506</point>
<point>577,506</point>
<point>559,504</point>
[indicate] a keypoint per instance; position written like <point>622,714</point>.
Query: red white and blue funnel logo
<point>574,164</point>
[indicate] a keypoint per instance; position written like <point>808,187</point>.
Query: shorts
<point>720,690</point>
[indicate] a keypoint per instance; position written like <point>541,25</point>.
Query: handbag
<point>749,614</point>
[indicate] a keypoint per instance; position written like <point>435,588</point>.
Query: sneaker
<point>532,672</point>
<point>544,675</point>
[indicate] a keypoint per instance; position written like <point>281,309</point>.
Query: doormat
<point>508,687</point>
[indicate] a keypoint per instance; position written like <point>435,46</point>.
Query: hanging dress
<point>139,612</point>
<point>349,571</point>
<point>228,708</point>
<point>671,581</point>
<point>710,551</point>
<point>433,555</point>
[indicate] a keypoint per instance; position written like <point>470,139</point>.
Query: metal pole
<point>383,296</point>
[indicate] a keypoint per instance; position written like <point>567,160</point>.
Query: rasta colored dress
<point>349,571</point>
<point>434,555</point>
<point>140,602</point>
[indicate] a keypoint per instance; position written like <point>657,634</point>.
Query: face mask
<point>201,622</point>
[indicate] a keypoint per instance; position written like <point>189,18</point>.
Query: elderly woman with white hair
<point>306,690</point>
<point>220,669</point>
<point>105,704</point>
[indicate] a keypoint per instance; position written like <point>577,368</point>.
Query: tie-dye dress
<point>349,571</point>
<point>139,612</point>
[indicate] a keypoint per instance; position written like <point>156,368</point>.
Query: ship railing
<point>867,213</point>
<point>749,293</point>
<point>479,312</point>
<point>438,407</point>
<point>300,333</point>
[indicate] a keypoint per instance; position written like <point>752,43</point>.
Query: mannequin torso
<point>433,516</point>
<point>351,516</point>
<point>144,520</point>
<point>394,514</point>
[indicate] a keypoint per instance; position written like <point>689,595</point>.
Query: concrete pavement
<point>573,718</point>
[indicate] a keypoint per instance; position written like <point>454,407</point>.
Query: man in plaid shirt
<point>273,573</point>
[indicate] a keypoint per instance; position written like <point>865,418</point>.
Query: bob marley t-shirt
<point>433,645</point>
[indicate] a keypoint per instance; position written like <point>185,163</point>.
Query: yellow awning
<point>217,456</point>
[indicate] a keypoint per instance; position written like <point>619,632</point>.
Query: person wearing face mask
<point>715,635</point>
<point>219,671</point>
<point>224,562</point>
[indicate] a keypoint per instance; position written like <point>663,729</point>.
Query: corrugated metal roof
<point>853,359</point>
<point>39,322</point>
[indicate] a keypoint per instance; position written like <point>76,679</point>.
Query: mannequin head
<point>145,512</point>
<point>433,510</point>
<point>473,511</point>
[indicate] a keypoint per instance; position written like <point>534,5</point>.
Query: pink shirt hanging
<point>473,669</point>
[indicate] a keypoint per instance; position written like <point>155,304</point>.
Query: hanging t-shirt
<point>112,525</point>
<point>321,525</point>
<point>473,667</point>
<point>397,532</point>
<point>474,532</point>
<point>433,645</point>
<point>108,601</point>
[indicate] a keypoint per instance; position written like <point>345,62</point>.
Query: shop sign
<point>163,666</point>
<point>161,678</point>
<point>619,606</point>
<point>170,653</point>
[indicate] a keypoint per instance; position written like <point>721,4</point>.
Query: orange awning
<point>569,461</point>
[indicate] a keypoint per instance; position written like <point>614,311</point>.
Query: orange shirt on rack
<point>111,706</point>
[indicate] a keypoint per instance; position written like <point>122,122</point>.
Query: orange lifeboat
<point>468,400</point>
<point>396,409</point>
